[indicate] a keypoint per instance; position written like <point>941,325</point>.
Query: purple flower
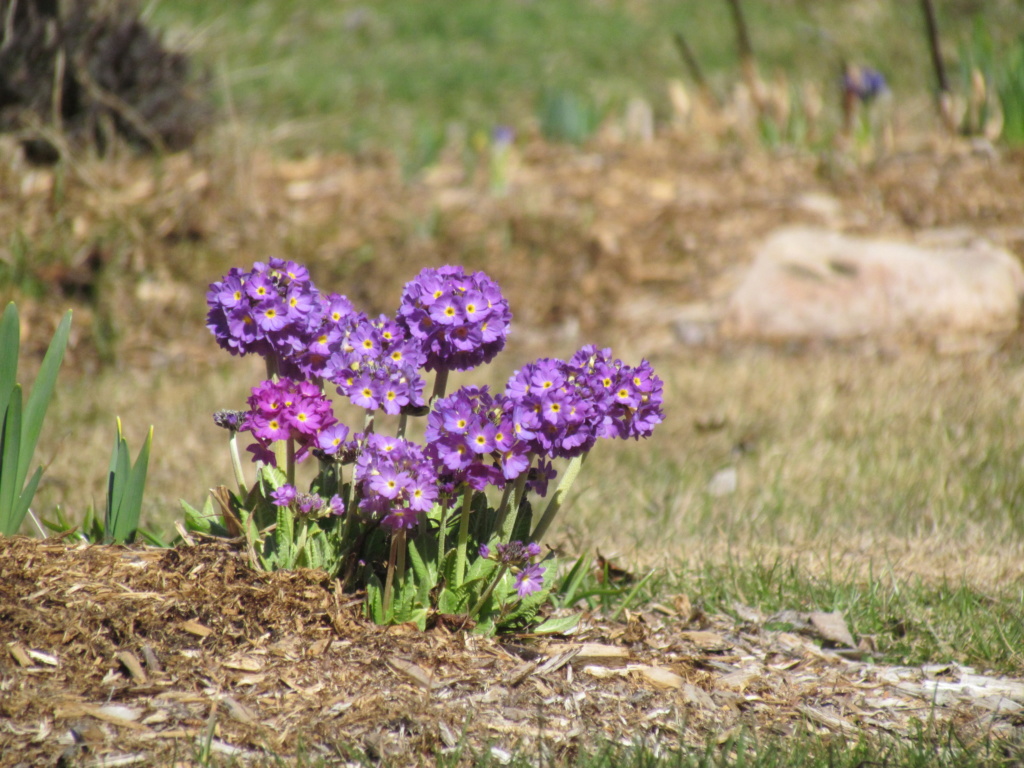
<point>273,310</point>
<point>289,409</point>
<point>396,480</point>
<point>530,580</point>
<point>336,505</point>
<point>374,365</point>
<point>864,83</point>
<point>330,439</point>
<point>468,434</point>
<point>309,504</point>
<point>516,553</point>
<point>284,495</point>
<point>484,551</point>
<point>460,321</point>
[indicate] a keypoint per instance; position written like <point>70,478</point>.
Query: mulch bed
<point>122,656</point>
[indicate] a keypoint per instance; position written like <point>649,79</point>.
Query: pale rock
<point>808,283</point>
<point>724,482</point>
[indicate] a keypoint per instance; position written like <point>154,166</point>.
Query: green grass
<point>911,621</point>
<point>327,74</point>
<point>923,749</point>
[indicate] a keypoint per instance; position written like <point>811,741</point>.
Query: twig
<point>690,59</point>
<point>748,62</point>
<point>943,95</point>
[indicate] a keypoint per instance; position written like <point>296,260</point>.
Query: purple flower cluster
<point>307,504</point>
<point>397,482</point>
<point>287,409</point>
<point>461,321</point>
<point>270,310</point>
<point>470,435</point>
<point>516,554</point>
<point>630,398</point>
<point>374,364</point>
<point>561,408</point>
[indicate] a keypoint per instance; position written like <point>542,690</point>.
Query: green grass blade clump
<point>125,486</point>
<point>21,427</point>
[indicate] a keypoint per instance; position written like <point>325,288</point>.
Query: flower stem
<point>568,478</point>
<point>389,582</point>
<point>487,592</point>
<point>236,465</point>
<point>403,422</point>
<point>499,519</point>
<point>441,534</point>
<point>440,384</point>
<point>290,461</point>
<point>460,553</point>
<point>507,523</point>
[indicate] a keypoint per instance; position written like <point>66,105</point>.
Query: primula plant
<point>445,526</point>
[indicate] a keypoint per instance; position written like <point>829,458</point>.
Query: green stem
<point>440,384</point>
<point>403,422</point>
<point>389,582</point>
<point>487,592</point>
<point>568,478</point>
<point>400,562</point>
<point>290,461</point>
<point>508,522</point>
<point>460,554</point>
<point>441,535</point>
<point>499,519</point>
<point>236,465</point>
<point>368,420</point>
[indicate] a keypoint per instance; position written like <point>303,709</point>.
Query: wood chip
<point>131,663</point>
<point>195,628</point>
<point>711,642</point>
<point>597,653</point>
<point>830,721</point>
<point>414,672</point>
<point>243,663</point>
<point>20,655</point>
<point>659,677</point>
<point>557,662</point>
<point>238,711</point>
<point>151,660</point>
<point>520,673</point>
<point>831,627</point>
<point>43,658</point>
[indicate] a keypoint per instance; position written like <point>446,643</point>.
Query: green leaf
<point>134,492</point>
<point>561,626</point>
<point>375,599</point>
<point>22,503</point>
<point>422,572</point>
<point>449,601</point>
<point>566,592</point>
<point>523,613</point>
<point>42,393</point>
<point>10,343</point>
<point>200,522</point>
<point>153,539</point>
<point>482,568</point>
<point>284,537</point>
<point>9,442</point>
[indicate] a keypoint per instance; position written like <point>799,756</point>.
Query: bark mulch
<point>123,656</point>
